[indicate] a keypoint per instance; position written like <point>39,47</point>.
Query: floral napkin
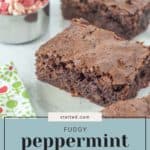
<point>14,99</point>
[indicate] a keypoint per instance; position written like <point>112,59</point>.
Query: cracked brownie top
<point>125,6</point>
<point>130,108</point>
<point>93,49</point>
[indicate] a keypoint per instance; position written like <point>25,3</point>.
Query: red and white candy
<point>20,7</point>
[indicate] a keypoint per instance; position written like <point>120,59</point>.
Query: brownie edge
<point>94,63</point>
<point>138,107</point>
<point>127,18</point>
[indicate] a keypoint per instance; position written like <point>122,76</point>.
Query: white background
<point>46,98</point>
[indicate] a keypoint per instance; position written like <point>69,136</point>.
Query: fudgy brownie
<point>129,108</point>
<point>94,63</point>
<point>127,18</point>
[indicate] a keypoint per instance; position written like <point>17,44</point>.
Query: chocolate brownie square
<point>127,18</point>
<point>130,108</point>
<point>94,63</point>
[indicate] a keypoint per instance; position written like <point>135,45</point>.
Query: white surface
<point>46,98</point>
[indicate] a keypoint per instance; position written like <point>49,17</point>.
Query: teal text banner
<point>148,134</point>
<point>39,134</point>
<point>1,134</point>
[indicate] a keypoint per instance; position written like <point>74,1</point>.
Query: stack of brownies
<point>98,64</point>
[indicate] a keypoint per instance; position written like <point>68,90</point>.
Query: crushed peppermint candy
<point>20,7</point>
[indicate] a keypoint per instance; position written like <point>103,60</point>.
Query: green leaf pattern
<point>14,99</point>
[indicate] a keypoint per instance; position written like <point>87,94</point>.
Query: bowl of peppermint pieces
<point>23,21</point>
